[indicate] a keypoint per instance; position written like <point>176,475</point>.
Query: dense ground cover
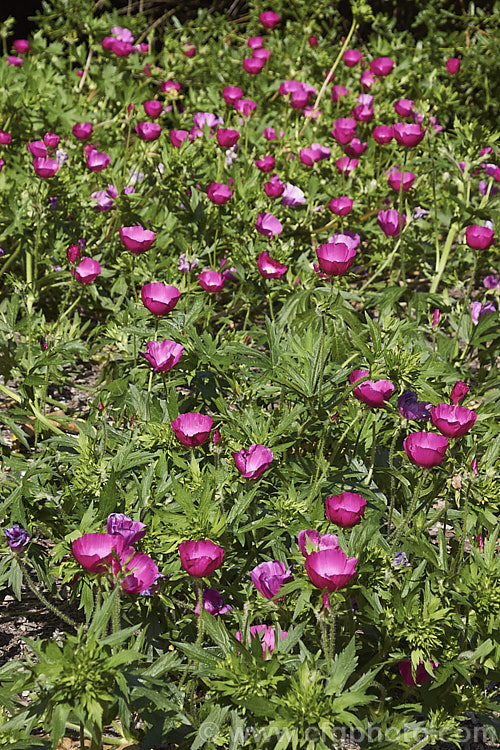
<point>271,243</point>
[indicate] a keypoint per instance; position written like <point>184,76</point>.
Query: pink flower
<point>367,80</point>
<point>394,180</point>
<point>390,222</point>
<point>382,134</point>
<point>148,131</point>
<point>219,193</point>
<point>137,239</point>
<point>479,238</point>
<point>453,65</point>
<point>459,392</point>
<point>163,355</point>
<point>316,152</point>
<point>404,107</point>
<point>123,35</point>
<point>310,540</point>
<point>490,282</point>
<point>338,92</point>
<point>425,449</point>
<point>21,46</point>
<point>87,271</point>
<point>231,94</point>
<point>269,577</point>
<point>15,61</point>
<point>346,165</point>
<point>170,86</point>
<point>51,140</point>
<point>268,225</point>
<point>255,42</point>
<point>435,317</point>
<point>200,558</point>
<point>227,137</point>
<point>252,462</point>
<point>265,164</point>
<point>45,167</point>
<point>192,428</point>
<point>407,134</point>
<point>421,675</point>
<point>269,19</point>
<point>352,57</point>
<point>262,53</point>
<point>212,603</point>
<point>188,50</point>
<point>96,160</point>
<point>453,421</point>
<point>274,188</point>
<point>355,148</point>
<point>292,195</point>
<point>82,130</point>
<point>159,298</point>
<point>270,134</point>
<point>253,65</point>
<point>346,509</point>
<point>131,531</point>
<point>245,107</point>
<point>266,635</point>
<point>153,108</point>
<point>373,393</point>
<point>330,568</point>
<point>341,206</point>
<point>381,66</point>
<point>95,552</point>
<point>344,129</point>
<point>211,281</point>
<point>335,258</point>
<point>270,268</point>
<point>178,137</point>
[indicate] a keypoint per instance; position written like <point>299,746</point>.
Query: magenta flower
<point>389,222</point>
<point>2,164</point>
<point>421,674</point>
<point>262,53</point>
<point>21,46</point>
<point>292,195</point>
<point>330,568</point>
<point>105,198</point>
<point>425,449</point>
<point>381,66</point>
<point>346,165</point>
<point>95,552</point>
<point>479,238</point>
<point>143,574</point>
<point>269,19</point>
<point>159,298</point>
<point>188,50</point>
<point>344,129</point>
<point>459,392</point>
<point>265,164</point>
<point>394,180</point>
<point>17,538</point>
<point>269,577</point>
<point>137,239</point>
<point>45,167</point>
<point>268,225</point>
<point>367,80</point>
<point>453,421</point>
<point>219,193</point>
<point>192,428</point>
<point>373,393</point>
<point>178,137</point>
<point>5,138</point>
<point>490,282</point>
<point>255,42</point>
<point>352,57</point>
<point>346,509</point>
<point>170,86</point>
<point>253,65</point>
<point>271,135</point>
<point>313,41</point>
<point>231,94</point>
<point>310,540</point>
<point>212,603</point>
<point>338,92</point>
<point>245,107</point>
<point>383,134</point>
<point>200,558</point>
<point>37,148</point>
<point>341,206</point>
<point>252,462</point>
<point>82,130</point>
<point>227,137</point>
<point>153,108</point>
<point>435,317</point>
<point>316,152</point>
<point>355,148</point>
<point>15,61</point>
<point>163,355</point>
<point>453,65</point>
<point>211,281</point>
<point>51,140</point>
<point>404,107</point>
<point>73,253</point>
<point>87,270</point>
<point>122,34</point>
<point>97,160</point>
<point>148,131</point>
<point>336,257</point>
<point>274,188</point>
<point>407,134</point>
<point>131,531</point>
<point>266,635</point>
<point>270,268</point>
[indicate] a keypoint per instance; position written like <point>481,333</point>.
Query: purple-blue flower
<point>17,538</point>
<point>410,408</point>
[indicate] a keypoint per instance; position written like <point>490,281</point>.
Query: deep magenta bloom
<point>131,531</point>
<point>178,137</point>
<point>255,42</point>
<point>338,92</point>
<point>45,167</point>
<point>163,355</point>
<point>245,107</point>
<point>87,270</point>
<point>269,577</point>
<point>367,80</point>
<point>265,164</point>
<point>355,148</point>
<point>253,65</point>
<point>211,281</point>
<point>344,129</point>
<point>82,130</point>
<point>330,568</point>
<point>316,152</point>
<point>404,107</point>
<point>21,46</point>
<point>459,392</point>
<point>407,134</point>
<point>192,428</point>
<point>383,134</point>
<point>219,193</point>
<point>97,160</point>
<point>266,635</point>
<point>268,225</point>
<point>159,298</point>
<point>5,138</point>
<point>170,86</point>
<point>212,603</point>
<point>269,19</point>
<point>346,165</point>
<point>388,221</point>
<point>274,188</point>
<point>373,393</point>
<point>17,538</point>
<point>143,573</point>
<point>346,509</point>
<point>15,61</point>
<point>188,50</point>
<point>95,552</point>
<point>153,108</point>
<point>262,53</point>
<point>200,559</point>
<point>479,238</point>
<point>148,131</point>
<point>394,180</point>
<point>270,268</point>
<point>425,449</point>
<point>341,206</point>
<point>453,65</point>
<point>226,137</point>
<point>310,540</point>
<point>73,253</point>
<point>335,258</point>
<point>352,57</point>
<point>421,674</point>
<point>381,66</point>
<point>410,408</point>
<point>231,94</point>
<point>51,140</point>
<point>137,239</point>
<point>271,135</point>
<point>453,421</point>
<point>252,462</point>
